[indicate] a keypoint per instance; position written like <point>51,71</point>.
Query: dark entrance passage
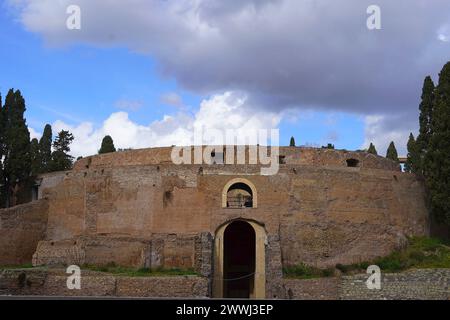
<point>239,260</point>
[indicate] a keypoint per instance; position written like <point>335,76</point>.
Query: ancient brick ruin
<point>136,208</point>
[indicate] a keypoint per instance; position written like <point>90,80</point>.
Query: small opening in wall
<point>168,196</point>
<point>239,195</point>
<point>395,178</point>
<point>282,159</point>
<point>352,163</point>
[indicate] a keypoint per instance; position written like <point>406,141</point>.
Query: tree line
<point>21,160</point>
<point>429,153</point>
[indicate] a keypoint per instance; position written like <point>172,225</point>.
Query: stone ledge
<point>52,282</point>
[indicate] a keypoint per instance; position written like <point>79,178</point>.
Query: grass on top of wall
<point>303,271</point>
<point>20,266</point>
<point>141,272</point>
<point>420,253</point>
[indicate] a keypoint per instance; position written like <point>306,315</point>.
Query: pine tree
<point>413,158</point>
<point>107,145</point>
<point>392,152</point>
<point>61,160</point>
<point>17,149</point>
<point>437,157</point>
<point>36,163</point>
<point>45,149</point>
<point>292,142</point>
<point>372,149</point>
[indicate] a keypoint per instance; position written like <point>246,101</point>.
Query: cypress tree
<point>2,150</point>
<point>45,149</point>
<point>292,142</point>
<point>437,158</point>
<point>425,119</point>
<point>17,146</point>
<point>372,149</point>
<point>413,158</point>
<point>426,112</point>
<point>36,163</point>
<point>392,152</point>
<point>61,159</point>
<point>107,145</point>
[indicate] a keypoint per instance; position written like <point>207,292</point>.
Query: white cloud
<point>377,133</point>
<point>221,112</point>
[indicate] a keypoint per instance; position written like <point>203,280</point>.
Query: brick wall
<point>161,250</point>
<point>21,228</point>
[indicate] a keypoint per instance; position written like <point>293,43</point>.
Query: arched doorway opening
<point>239,195</point>
<point>239,259</point>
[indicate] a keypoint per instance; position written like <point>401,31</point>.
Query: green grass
<point>21,266</point>
<point>420,253</point>
<point>142,272</point>
<point>303,271</point>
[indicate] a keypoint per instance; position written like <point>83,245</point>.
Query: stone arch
<point>235,181</point>
<point>258,287</point>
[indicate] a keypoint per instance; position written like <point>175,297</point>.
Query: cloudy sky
<point>149,71</point>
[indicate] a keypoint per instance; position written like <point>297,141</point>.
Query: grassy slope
<point>421,252</point>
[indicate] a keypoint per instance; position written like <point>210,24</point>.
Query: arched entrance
<point>239,253</point>
<point>239,260</point>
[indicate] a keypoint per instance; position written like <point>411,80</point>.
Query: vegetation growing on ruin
<point>420,253</point>
<point>303,271</point>
<point>141,272</point>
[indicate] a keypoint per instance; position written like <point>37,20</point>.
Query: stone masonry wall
<point>21,228</point>
<point>311,289</point>
<point>292,155</point>
<point>321,215</point>
<point>162,250</point>
<point>136,208</point>
<point>54,283</point>
<point>418,284</point>
<point>423,284</point>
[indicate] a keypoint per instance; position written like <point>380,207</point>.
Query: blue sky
<point>152,77</point>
